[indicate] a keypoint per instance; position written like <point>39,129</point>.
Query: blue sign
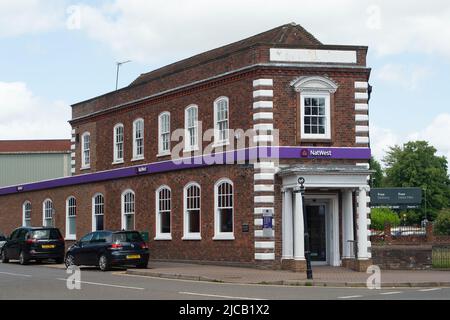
<point>267,222</point>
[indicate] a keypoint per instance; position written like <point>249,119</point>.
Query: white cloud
<point>150,30</point>
<point>406,76</point>
<point>24,115</point>
<point>437,133</point>
<point>18,17</point>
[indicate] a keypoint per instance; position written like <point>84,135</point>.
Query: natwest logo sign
<point>316,153</point>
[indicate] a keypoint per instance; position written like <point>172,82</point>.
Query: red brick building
<point>203,152</point>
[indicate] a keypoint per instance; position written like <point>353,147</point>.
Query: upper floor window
<point>98,212</point>
<point>163,207</point>
<point>315,111</point>
<point>221,112</point>
<point>164,133</point>
<point>223,219</point>
<point>192,212</point>
<point>118,143</point>
<point>71,215</point>
<point>138,139</point>
<point>191,127</point>
<point>26,208</point>
<point>47,213</point>
<point>86,150</point>
<point>128,210</point>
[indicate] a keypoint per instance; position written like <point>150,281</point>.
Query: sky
<point>54,53</point>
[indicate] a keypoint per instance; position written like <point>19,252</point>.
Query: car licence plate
<point>48,246</point>
<point>134,256</point>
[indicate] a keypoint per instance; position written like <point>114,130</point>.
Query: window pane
<point>194,220</point>
<point>99,222</point>
<point>315,111</point>
<point>322,102</point>
<point>72,225</point>
<point>165,222</point>
<point>307,102</point>
<point>315,102</point>
<point>314,129</point>
<point>322,130</point>
<point>308,111</point>
<point>307,129</point>
<point>226,220</point>
<point>129,222</point>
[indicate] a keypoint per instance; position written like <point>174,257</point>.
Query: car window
<point>45,234</point>
<point>127,237</point>
<point>22,234</point>
<point>87,237</point>
<point>100,236</point>
<point>15,234</point>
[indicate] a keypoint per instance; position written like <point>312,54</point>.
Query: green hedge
<point>380,216</point>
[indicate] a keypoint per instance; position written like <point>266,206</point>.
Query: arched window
<point>315,106</point>
<point>164,133</point>
<point>98,212</point>
<point>191,128</point>
<point>224,211</point>
<point>118,143</point>
<point>85,150</point>
<point>221,125</point>
<point>138,139</point>
<point>47,213</point>
<point>26,214</point>
<point>128,210</point>
<point>192,200</point>
<point>163,213</point>
<point>71,216</point>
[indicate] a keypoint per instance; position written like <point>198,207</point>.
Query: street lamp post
<point>309,274</point>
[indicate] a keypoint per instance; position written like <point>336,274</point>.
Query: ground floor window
<point>48,213</point>
<point>163,206</point>
<point>26,214</point>
<point>128,210</point>
<point>71,215</point>
<point>98,213</point>
<point>192,212</point>
<point>224,210</point>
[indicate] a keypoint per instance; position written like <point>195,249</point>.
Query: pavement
<point>52,282</point>
<point>323,275</point>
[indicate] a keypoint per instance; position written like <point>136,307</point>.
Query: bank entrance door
<point>316,219</point>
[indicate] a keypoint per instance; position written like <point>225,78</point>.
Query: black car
<point>37,244</point>
<point>109,248</point>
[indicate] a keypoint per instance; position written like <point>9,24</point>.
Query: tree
<point>416,164</point>
<point>376,180</point>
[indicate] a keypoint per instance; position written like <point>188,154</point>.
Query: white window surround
<point>218,141</point>
<point>26,210</point>
<point>86,148</point>
<point>118,143</point>
<point>138,128</point>
<point>101,207</point>
<point>158,234</point>
<point>315,87</point>
<point>71,212</point>
<point>128,208</point>
<point>191,128</point>
<point>218,235</point>
<point>47,212</point>
<point>186,234</point>
<point>163,133</point>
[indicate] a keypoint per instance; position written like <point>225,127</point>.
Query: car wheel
<point>103,263</point>
<point>70,261</point>
<point>4,257</point>
<point>22,259</point>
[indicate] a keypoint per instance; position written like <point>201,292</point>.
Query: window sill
<point>224,237</point>
<point>163,237</point>
<point>118,162</point>
<point>186,150</point>
<point>137,159</point>
<point>221,144</point>
<point>192,237</point>
<point>70,237</point>
<point>163,154</point>
<point>85,168</point>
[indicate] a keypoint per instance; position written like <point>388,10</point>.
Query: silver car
<point>2,241</point>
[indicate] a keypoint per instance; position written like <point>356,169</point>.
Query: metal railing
<point>441,256</point>
<point>408,230</point>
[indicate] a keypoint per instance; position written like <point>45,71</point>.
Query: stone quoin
<point>205,155</point>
